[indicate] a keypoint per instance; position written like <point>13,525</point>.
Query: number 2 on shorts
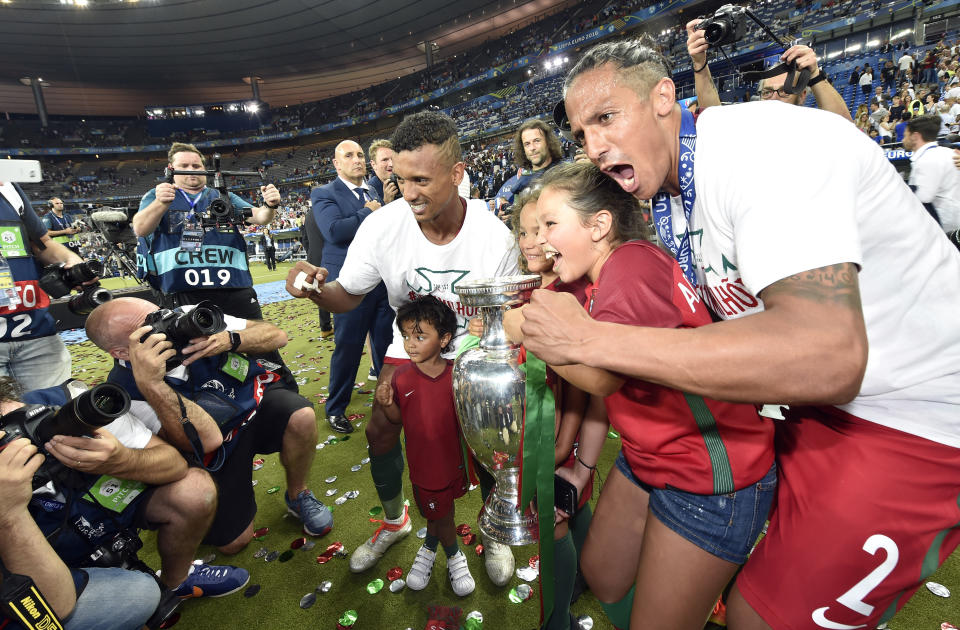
<point>853,599</point>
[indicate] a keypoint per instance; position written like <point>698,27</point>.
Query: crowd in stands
<point>907,86</point>
<point>532,39</point>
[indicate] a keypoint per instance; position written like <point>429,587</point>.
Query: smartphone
<point>393,178</point>
<point>564,495</point>
<point>20,171</point>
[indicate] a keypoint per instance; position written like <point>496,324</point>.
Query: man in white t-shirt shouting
<point>809,265</point>
<point>421,244</point>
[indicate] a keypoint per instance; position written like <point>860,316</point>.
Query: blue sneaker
<point>316,517</point>
<point>210,580</point>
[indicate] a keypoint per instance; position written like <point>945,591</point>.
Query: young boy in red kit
<point>422,400</point>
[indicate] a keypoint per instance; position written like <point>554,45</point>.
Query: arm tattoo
<point>835,284</point>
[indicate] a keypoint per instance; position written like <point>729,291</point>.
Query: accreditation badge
<point>237,366</point>
<point>191,240</point>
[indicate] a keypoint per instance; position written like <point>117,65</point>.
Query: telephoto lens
<point>91,298</point>
<point>92,409</point>
<point>82,272</point>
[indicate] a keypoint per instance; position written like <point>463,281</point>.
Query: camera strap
<point>23,602</point>
<point>795,83</point>
<point>194,437</point>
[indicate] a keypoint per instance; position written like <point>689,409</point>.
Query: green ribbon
<point>538,468</point>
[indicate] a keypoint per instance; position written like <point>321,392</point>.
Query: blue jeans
<point>35,363</point>
<point>726,525</point>
<point>114,599</point>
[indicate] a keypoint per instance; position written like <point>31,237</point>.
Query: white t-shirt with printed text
<point>783,189</point>
<point>390,246</point>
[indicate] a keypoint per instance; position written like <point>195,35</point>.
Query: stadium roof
<point>114,57</point>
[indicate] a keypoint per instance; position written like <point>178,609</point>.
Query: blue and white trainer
<point>211,580</point>
<point>316,517</point>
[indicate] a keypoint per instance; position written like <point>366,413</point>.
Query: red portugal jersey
<point>671,438</point>
<point>430,428</point>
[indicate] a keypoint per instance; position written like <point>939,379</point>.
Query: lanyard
<point>191,202</point>
<point>662,216</point>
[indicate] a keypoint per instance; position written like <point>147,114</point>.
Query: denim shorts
<point>725,525</point>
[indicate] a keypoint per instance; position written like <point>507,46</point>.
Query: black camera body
<point>726,26</point>
<point>58,281</point>
<point>179,327</point>
<point>220,212</point>
<point>120,551</point>
<point>92,409</point>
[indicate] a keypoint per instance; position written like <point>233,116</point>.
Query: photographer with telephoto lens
<point>30,350</point>
<point>215,402</point>
<point>101,476</point>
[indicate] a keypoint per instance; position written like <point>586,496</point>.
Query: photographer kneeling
<point>81,598</point>
<point>190,384</point>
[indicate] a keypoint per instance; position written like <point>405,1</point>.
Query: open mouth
<point>624,175</point>
<point>554,255</point>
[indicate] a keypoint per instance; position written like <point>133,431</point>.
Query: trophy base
<point>500,520</point>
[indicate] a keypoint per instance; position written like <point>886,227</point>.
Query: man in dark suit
<point>312,241</point>
<point>269,249</point>
<point>338,208</point>
<point>381,160</point>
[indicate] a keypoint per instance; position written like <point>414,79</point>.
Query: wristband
<point>576,454</point>
<point>271,207</point>
<point>234,341</point>
<point>817,79</point>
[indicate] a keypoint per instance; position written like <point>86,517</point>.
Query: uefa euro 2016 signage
<point>897,154</point>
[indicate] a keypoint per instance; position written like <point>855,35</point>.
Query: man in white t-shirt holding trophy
<point>421,244</point>
<point>808,264</point>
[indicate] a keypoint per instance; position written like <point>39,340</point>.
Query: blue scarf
<point>662,217</point>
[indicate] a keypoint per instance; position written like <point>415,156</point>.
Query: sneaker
<point>315,516</point>
<point>460,578</point>
<point>371,375</point>
<point>340,424</point>
<point>498,558</point>
<point>367,554</point>
<point>326,334</point>
<point>210,580</point>
<point>419,575</point>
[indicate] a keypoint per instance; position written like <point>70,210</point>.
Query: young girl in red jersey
<point>423,402</point>
<point>694,481</point>
<point>572,406</point>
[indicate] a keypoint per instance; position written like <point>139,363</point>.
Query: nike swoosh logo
<point>408,393</point>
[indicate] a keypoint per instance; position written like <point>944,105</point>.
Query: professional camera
<point>91,297</point>
<point>90,410</point>
<point>119,551</point>
<point>58,280</point>
<point>220,212</point>
<point>179,327</point>
<point>726,26</point>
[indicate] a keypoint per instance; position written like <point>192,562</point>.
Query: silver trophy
<point>490,391</point>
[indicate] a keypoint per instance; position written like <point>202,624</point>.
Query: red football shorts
<point>863,515</point>
<point>435,504</point>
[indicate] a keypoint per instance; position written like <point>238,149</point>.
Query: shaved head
<point>349,161</point>
<point>110,325</point>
